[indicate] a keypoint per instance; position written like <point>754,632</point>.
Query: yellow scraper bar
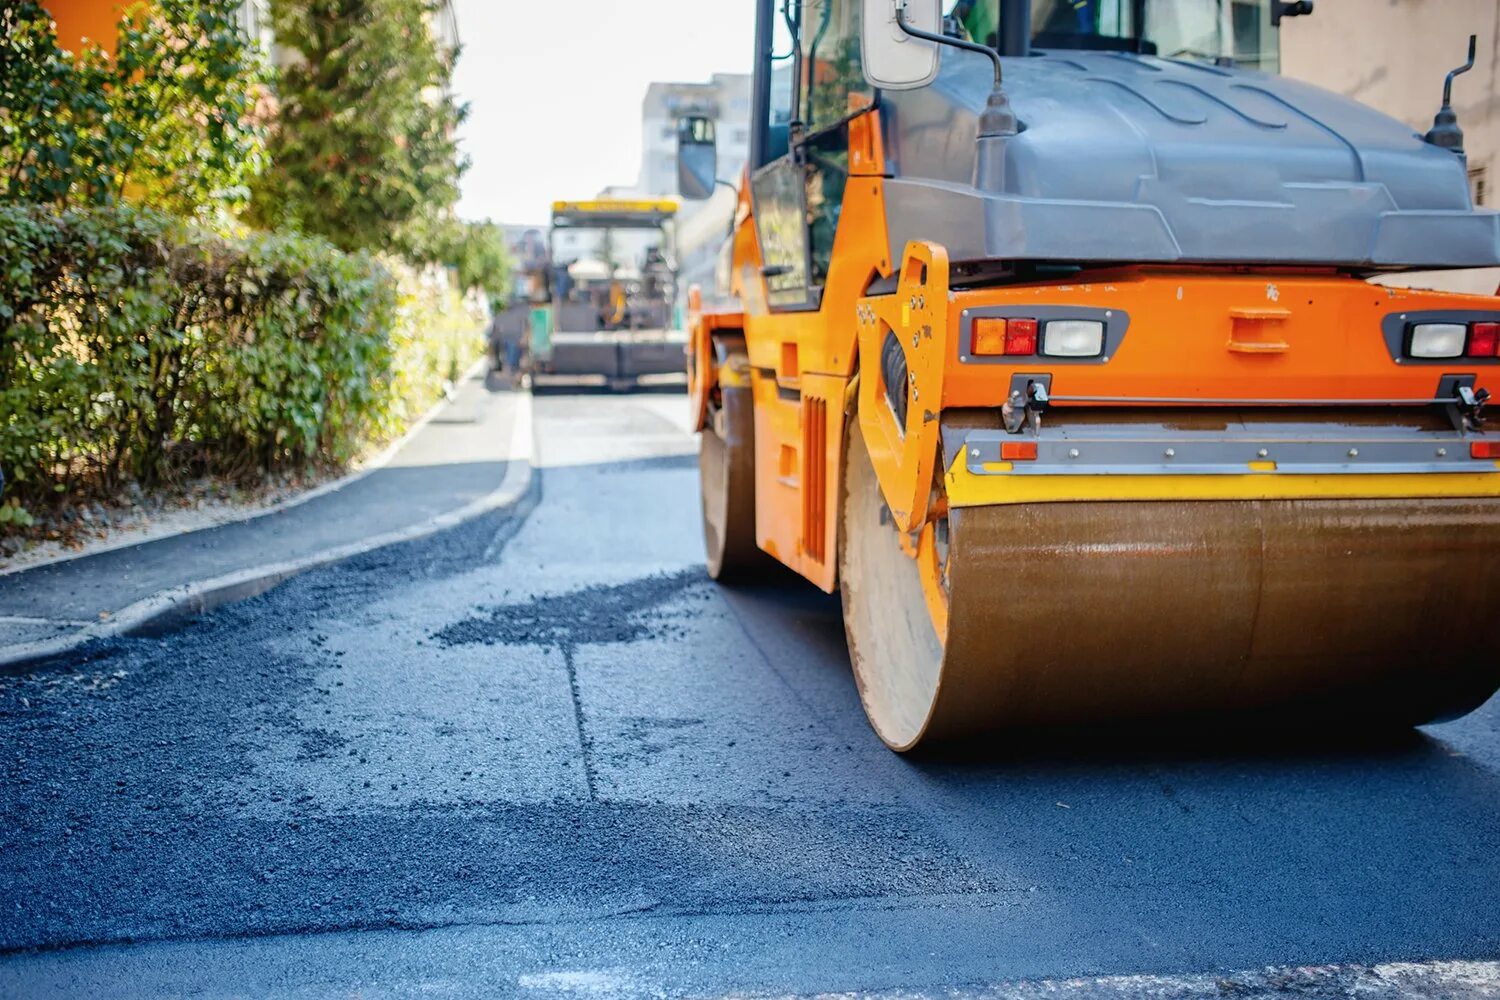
<point>966,489</point>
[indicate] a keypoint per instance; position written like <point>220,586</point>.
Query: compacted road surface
<point>542,754</point>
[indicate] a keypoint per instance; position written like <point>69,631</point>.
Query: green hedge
<point>134,348</point>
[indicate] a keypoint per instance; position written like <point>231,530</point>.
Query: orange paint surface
<point>1217,334</point>
<point>81,21</point>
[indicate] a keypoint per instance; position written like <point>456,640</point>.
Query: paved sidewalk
<point>454,463</point>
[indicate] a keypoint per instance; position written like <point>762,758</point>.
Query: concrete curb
<point>178,604</point>
<point>375,463</point>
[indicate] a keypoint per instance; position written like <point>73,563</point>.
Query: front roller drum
<point>1338,612</point>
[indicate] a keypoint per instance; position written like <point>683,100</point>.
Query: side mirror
<point>1289,8</point>
<point>893,59</point>
<point>697,157</point>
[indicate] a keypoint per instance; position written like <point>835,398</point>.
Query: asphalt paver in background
<point>542,755</point>
<point>455,459</point>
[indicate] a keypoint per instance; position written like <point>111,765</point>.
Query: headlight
<point>1437,340</point>
<point>1083,338</point>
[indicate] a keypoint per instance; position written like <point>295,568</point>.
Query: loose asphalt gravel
<point>542,754</point>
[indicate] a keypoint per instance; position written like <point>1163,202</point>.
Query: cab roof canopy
<point>613,213</point>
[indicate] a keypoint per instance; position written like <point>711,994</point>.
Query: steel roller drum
<point>1349,612</point>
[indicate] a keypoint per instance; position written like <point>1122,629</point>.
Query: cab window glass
<point>1065,22</point>
<point>781,62</point>
<point>833,79</point>
<point>827,156</point>
<point>1209,31</point>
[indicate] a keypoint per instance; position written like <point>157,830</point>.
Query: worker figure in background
<point>616,304</point>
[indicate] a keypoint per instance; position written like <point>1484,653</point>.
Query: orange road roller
<point>1047,334</point>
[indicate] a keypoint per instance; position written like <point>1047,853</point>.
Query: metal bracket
<point>1464,403</point>
<point>1026,402</point>
<point>1471,405</point>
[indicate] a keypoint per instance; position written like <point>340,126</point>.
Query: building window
<point>255,22</point>
<point>1479,184</point>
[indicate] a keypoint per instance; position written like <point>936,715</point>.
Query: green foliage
<point>475,251</point>
<point>138,348</point>
<point>56,133</point>
<point>12,514</point>
<point>166,122</point>
<point>186,78</point>
<point>364,137</point>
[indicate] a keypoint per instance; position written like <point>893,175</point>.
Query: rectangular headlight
<point>1437,340</point>
<point>1075,338</point>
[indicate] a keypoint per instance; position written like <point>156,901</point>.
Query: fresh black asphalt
<point>542,754</point>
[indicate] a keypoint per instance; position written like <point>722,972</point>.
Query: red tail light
<point>994,335</point>
<point>1484,340</point>
<point>1484,449</point>
<point>1020,336</point>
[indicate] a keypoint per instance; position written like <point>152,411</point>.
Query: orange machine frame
<point>1195,332</point>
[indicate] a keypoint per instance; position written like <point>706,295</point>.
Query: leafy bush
<point>166,121</point>
<point>476,252</point>
<point>137,348</point>
<point>364,137</point>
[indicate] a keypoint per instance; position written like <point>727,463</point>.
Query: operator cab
<point>813,80</point>
<point>1129,119</point>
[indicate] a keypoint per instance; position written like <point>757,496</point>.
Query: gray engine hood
<point>1134,158</point>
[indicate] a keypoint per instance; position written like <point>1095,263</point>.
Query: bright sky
<point>555,89</point>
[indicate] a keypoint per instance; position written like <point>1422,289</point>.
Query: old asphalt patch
<point>623,612</point>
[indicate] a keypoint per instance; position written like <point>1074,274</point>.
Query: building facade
<point>700,227</point>
<point>725,98</point>
<point>1393,55</point>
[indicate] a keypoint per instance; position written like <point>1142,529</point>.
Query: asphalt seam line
<point>202,596</point>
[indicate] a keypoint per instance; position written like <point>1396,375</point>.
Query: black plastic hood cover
<point>1134,158</point>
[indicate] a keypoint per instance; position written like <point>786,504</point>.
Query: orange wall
<point>77,20</point>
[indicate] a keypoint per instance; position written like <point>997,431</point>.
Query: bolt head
<point>1171,452</point>
<point>1442,453</point>
<point>1262,453</point>
<point>1353,452</point>
<point>1072,452</point>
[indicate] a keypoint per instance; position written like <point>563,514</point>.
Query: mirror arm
<point>997,120</point>
<point>795,27</point>
<point>958,43</point>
